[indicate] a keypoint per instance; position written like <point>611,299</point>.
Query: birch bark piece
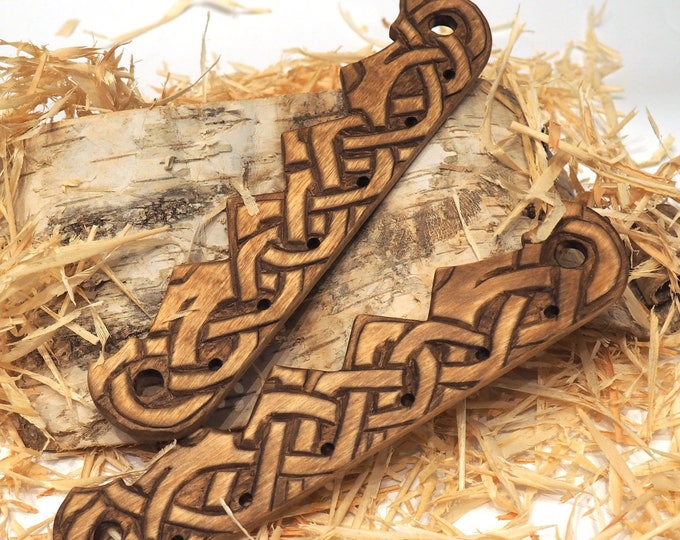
<point>176,166</point>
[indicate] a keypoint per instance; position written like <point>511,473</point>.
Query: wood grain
<point>178,165</point>
<point>308,426</point>
<point>123,179</point>
<point>216,318</point>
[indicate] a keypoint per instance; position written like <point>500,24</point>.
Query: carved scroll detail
<point>485,319</point>
<point>217,317</point>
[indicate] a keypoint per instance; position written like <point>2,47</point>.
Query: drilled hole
<point>148,382</point>
<point>530,211</point>
<point>215,364</point>
<point>551,312</point>
<point>108,530</point>
<point>482,353</point>
<point>245,500</point>
<point>449,74</point>
<point>407,400</point>
<point>177,537</point>
<point>327,449</point>
<point>264,304</point>
<point>411,121</point>
<point>443,25</point>
<point>363,181</point>
<point>571,254</point>
<point>313,243</point>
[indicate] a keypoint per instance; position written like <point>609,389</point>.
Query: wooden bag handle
<point>309,426</point>
<point>217,317</point>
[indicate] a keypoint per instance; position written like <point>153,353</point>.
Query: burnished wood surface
<point>485,318</point>
<point>418,228</point>
<point>217,317</point>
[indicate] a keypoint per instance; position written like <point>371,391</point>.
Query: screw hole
<point>449,74</point>
<point>363,181</point>
<point>551,312</point>
<point>411,121</point>
<point>313,243</point>
<point>530,211</point>
<point>245,500</point>
<point>264,304</point>
<point>108,530</point>
<point>571,254</point>
<point>327,449</point>
<point>483,354</point>
<point>148,382</point>
<point>215,364</point>
<point>443,25</point>
<point>407,400</point>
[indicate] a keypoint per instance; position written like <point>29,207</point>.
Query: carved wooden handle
<point>216,318</point>
<point>485,319</point>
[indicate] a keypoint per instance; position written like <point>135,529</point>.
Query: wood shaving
<point>566,426</point>
<point>68,28</point>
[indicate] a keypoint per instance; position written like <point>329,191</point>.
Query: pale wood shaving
<point>68,28</point>
<point>466,229</point>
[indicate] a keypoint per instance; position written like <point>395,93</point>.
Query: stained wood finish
<point>485,318</point>
<point>217,317</point>
<point>417,227</point>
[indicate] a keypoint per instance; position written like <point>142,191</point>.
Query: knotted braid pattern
<point>216,318</point>
<point>308,426</point>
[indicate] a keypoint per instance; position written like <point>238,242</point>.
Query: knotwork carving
<point>217,317</point>
<point>485,319</point>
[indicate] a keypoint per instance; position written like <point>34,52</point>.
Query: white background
<point>646,33</point>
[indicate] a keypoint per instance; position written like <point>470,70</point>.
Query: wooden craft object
<point>216,318</point>
<point>308,426</point>
<point>418,228</point>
